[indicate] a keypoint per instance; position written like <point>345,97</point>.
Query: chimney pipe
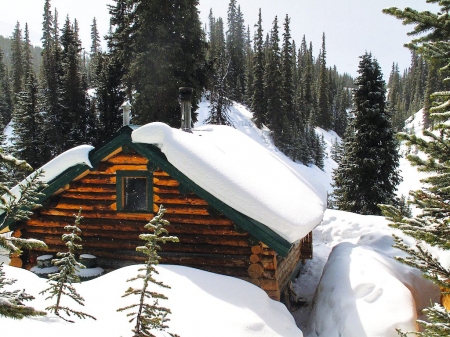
<point>126,107</point>
<point>185,94</point>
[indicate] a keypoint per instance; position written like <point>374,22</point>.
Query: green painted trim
<point>119,189</point>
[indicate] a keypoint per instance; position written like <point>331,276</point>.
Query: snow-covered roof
<point>59,164</point>
<point>243,174</point>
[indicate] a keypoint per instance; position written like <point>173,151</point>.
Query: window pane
<point>135,194</point>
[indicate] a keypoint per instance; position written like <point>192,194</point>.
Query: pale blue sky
<point>351,26</point>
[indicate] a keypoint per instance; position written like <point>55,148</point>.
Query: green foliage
<point>11,302</point>
<point>150,316</point>
<point>61,283</point>
<point>430,227</point>
<point>368,171</point>
<point>16,206</point>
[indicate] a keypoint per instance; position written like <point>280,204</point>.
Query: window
<point>134,191</point>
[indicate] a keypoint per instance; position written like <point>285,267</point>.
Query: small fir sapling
<point>61,282</point>
<point>16,207</point>
<point>151,316</point>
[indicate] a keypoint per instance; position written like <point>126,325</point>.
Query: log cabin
<point>248,227</point>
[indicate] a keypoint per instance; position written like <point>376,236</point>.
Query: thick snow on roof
<point>203,304</point>
<point>243,174</point>
<point>66,160</point>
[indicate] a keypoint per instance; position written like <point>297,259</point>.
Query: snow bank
<point>360,280</point>
<point>243,174</point>
<point>362,293</point>
<point>203,304</point>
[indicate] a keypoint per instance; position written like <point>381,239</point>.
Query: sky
<point>351,27</point>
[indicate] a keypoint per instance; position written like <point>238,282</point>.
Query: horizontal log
<point>268,263</point>
<point>87,207</point>
<point>90,196</point>
<point>115,168</point>
<point>103,215</point>
<point>128,158</point>
<point>198,219</point>
<point>254,258</point>
<point>160,173</point>
<point>255,270</point>
<point>256,249</point>
<point>165,182</point>
<point>92,188</point>
<point>166,190</point>
<point>269,284</point>
<point>178,200</point>
<point>99,179</point>
<point>182,210</point>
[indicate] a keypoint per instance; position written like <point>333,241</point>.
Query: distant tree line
<point>287,88</point>
<point>73,97</point>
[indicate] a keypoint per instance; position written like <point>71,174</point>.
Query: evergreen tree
<point>429,228</point>
<point>150,316</point>
<point>168,52</point>
<point>368,171</point>
<point>5,93</point>
<point>272,83</point>
<point>28,124</point>
<point>17,60</point>
<point>61,283</point>
<point>323,115</point>
<point>219,105</point>
<point>51,72</point>
<point>16,206</point>
<point>258,99</point>
<point>96,49</point>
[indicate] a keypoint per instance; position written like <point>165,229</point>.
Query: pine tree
<point>5,93</point>
<point>168,52</point>
<point>28,124</point>
<point>17,60</point>
<point>219,105</point>
<point>150,316</point>
<point>258,98</point>
<point>15,207</point>
<point>96,50</point>
<point>323,115</point>
<point>429,228</point>
<point>61,283</point>
<point>368,171</point>
<point>272,83</point>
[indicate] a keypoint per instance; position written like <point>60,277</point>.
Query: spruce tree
<point>430,227</point>
<point>323,114</point>
<point>5,93</point>
<point>368,172</point>
<point>219,104</point>
<point>16,207</point>
<point>150,316</point>
<point>28,124</point>
<point>17,60</point>
<point>258,99</point>
<point>168,52</point>
<point>61,283</point>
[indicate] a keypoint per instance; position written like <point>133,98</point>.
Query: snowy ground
<point>352,287</point>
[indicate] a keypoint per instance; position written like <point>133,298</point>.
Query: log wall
<point>207,241</point>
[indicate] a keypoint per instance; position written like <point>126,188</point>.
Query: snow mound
<point>203,304</point>
<point>243,174</point>
<point>360,280</point>
<point>372,297</point>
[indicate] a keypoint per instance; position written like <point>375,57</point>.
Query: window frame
<point>120,190</point>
